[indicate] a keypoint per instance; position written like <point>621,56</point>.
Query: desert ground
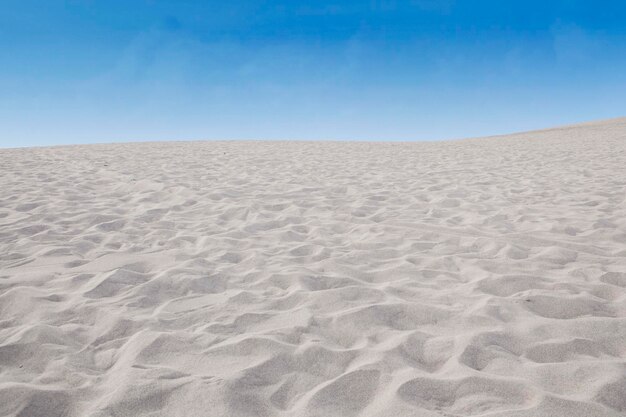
<point>479,277</point>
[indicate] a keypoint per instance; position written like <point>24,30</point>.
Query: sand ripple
<point>478,277</point>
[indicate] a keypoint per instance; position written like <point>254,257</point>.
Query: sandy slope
<point>478,277</point>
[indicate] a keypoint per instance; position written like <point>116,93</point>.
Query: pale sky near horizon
<point>109,71</point>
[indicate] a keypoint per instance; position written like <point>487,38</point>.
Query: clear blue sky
<point>103,71</point>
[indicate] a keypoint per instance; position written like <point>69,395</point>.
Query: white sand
<point>477,277</point>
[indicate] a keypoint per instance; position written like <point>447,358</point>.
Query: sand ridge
<point>482,277</point>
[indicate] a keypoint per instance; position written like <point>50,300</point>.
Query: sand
<point>481,277</point>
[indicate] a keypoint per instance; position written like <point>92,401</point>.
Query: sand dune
<point>482,277</point>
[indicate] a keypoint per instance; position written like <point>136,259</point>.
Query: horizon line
<point>587,123</point>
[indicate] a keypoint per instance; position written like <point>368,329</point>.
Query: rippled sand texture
<point>476,277</point>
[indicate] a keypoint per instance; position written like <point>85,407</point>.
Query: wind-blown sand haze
<point>482,277</point>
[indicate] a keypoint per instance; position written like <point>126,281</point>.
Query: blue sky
<point>105,71</point>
